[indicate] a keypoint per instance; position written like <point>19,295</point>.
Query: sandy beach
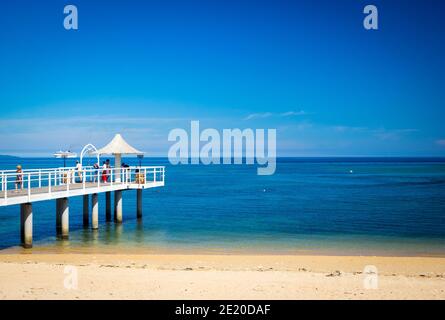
<point>198,276</point>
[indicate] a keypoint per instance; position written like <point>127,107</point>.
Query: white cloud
<point>391,134</point>
<point>270,114</point>
<point>45,135</point>
<point>293,113</point>
<point>348,129</point>
<point>258,115</point>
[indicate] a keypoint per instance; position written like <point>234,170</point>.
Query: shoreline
<point>319,263</point>
<point>198,276</point>
<point>63,248</point>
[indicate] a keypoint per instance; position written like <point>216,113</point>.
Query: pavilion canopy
<point>118,146</point>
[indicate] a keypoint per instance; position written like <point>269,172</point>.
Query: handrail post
<point>40,178</point>
<point>145,175</point>
<point>29,187</point>
<point>154,174</point>
<point>6,188</point>
<point>49,181</point>
<point>68,181</point>
<point>84,179</point>
<point>111,176</point>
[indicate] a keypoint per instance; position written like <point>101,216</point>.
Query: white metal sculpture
<point>89,149</point>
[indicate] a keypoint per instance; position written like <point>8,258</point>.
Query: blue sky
<point>307,68</point>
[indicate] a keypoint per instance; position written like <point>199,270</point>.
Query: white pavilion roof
<point>118,146</point>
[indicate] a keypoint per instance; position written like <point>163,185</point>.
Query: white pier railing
<point>45,182</point>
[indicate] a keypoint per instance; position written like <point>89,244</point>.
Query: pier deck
<point>48,184</point>
<point>41,194</point>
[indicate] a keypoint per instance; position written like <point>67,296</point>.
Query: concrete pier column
<point>139,203</point>
<point>64,218</point>
<point>26,225</point>
<point>117,166</point>
<point>94,212</point>
<point>108,206</point>
<point>118,206</point>
<point>58,218</point>
<point>86,210</point>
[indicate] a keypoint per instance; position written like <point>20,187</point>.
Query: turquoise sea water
<point>310,205</point>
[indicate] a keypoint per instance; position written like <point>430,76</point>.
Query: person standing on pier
<point>96,173</point>
<point>126,171</point>
<point>104,172</point>
<point>19,178</point>
<point>79,170</point>
<point>107,162</point>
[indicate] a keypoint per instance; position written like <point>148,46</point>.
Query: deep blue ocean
<point>310,205</point>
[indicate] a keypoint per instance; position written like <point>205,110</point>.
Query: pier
<point>60,184</point>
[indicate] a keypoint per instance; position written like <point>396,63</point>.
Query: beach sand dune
<point>172,276</point>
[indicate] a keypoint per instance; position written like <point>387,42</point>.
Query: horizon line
<point>278,157</point>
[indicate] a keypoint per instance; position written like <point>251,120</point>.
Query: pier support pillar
<point>139,203</point>
<point>26,225</point>
<point>117,165</point>
<point>118,206</point>
<point>108,206</point>
<point>86,212</point>
<point>58,217</point>
<point>64,218</point>
<point>95,211</point>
